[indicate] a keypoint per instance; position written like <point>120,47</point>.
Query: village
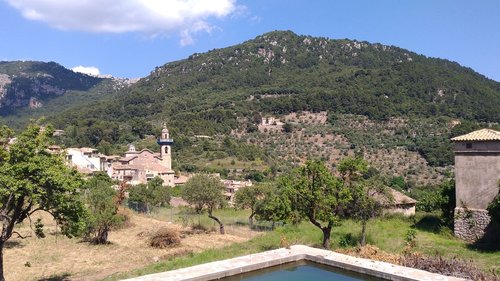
<point>242,140</point>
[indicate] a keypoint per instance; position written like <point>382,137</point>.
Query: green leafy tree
<point>448,202</point>
<point>100,198</point>
<point>288,127</point>
<point>33,179</point>
<point>494,208</point>
<point>275,207</point>
<point>317,195</point>
<point>249,197</point>
<point>367,194</point>
<point>352,169</point>
<point>152,194</point>
<point>205,193</point>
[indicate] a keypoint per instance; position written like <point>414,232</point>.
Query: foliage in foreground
<point>451,267</point>
<point>205,193</point>
<point>152,194</point>
<point>101,200</point>
<point>33,179</point>
<point>387,233</point>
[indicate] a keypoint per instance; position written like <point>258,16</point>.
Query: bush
<point>451,267</point>
<point>165,237</point>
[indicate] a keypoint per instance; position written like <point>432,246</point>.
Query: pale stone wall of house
<point>470,224</point>
<point>477,171</point>
<point>404,210</point>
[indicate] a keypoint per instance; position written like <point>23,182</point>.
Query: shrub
<point>165,237</point>
<point>451,267</point>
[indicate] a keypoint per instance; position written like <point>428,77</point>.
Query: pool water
<point>301,271</point>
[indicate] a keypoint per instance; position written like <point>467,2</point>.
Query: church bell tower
<point>166,143</point>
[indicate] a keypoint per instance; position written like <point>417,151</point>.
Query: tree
<point>367,194</point>
<point>317,195</point>
<point>152,194</point>
<point>33,179</point>
<point>288,127</point>
<point>352,169</point>
<point>448,202</point>
<point>366,203</point>
<point>275,207</point>
<point>249,197</point>
<point>100,198</point>
<point>205,193</point>
<point>494,208</point>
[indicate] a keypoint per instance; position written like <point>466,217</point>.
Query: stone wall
<point>470,224</point>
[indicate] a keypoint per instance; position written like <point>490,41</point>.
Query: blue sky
<point>128,38</point>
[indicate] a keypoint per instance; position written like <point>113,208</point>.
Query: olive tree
<point>205,193</point>
<point>152,194</point>
<point>315,194</point>
<point>34,179</point>
<point>100,198</point>
<point>249,197</point>
<point>368,194</point>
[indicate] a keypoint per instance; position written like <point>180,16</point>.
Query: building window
<point>468,145</point>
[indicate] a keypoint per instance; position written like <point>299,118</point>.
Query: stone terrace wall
<point>470,223</point>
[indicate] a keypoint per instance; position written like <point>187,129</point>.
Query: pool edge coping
<point>229,267</point>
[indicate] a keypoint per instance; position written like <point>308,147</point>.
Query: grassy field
<point>388,234</point>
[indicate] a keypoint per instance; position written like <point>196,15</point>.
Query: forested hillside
<point>229,91</point>
<point>31,88</point>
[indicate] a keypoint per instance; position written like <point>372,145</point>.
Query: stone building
<point>141,166</point>
<point>477,171</point>
<point>398,203</point>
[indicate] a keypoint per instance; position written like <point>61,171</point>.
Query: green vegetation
<point>249,198</point>
<point>387,233</point>
<point>231,89</point>
<point>45,82</point>
<point>205,193</point>
<point>143,197</point>
<point>33,179</point>
<point>311,192</point>
<point>100,198</point>
<point>494,209</point>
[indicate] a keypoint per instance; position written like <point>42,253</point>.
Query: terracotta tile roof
<point>479,135</point>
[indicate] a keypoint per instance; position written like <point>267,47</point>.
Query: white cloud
<point>118,16</point>
<point>90,70</point>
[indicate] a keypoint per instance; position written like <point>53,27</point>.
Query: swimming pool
<point>301,271</point>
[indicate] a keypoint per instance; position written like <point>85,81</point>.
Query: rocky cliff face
<point>30,84</point>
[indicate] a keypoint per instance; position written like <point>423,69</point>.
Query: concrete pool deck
<point>229,267</point>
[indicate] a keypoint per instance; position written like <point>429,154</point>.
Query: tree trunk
<point>363,233</point>
<point>2,278</point>
<point>250,220</point>
<point>326,236</point>
<point>102,236</point>
<point>221,225</point>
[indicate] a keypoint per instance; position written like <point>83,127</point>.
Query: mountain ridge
<point>28,85</point>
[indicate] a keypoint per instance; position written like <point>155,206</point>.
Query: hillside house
<point>477,172</point>
<point>233,185</point>
<point>86,160</point>
<point>399,204</point>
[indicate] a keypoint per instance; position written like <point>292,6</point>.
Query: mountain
<point>294,73</point>
<point>376,98</point>
<point>26,86</point>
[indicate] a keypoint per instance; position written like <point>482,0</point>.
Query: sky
<point>129,38</point>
